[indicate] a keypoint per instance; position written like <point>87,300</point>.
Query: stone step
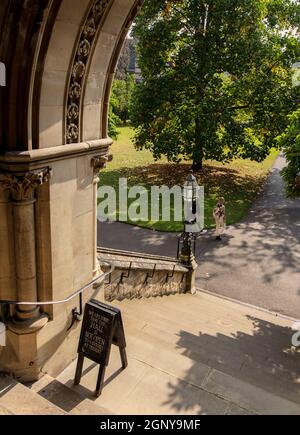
<point>169,320</point>
<point>17,399</point>
<point>65,398</point>
<point>222,345</point>
<point>188,311</point>
<point>187,355</point>
<point>139,390</point>
<point>179,362</point>
<point>217,315</point>
<point>170,364</point>
<point>244,354</point>
<point>249,396</point>
<point>4,411</point>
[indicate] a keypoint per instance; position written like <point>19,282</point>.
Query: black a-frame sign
<point>102,327</point>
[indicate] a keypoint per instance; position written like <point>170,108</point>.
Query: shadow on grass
<point>239,190</point>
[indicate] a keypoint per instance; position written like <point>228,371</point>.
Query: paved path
<point>258,262</point>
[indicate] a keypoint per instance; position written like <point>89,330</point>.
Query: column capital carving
<point>22,186</point>
<point>98,163</point>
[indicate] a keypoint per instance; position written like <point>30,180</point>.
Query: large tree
<point>217,77</point>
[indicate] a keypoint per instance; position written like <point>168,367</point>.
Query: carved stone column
<point>22,189</point>
<point>98,163</point>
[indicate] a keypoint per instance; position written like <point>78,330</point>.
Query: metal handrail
<point>74,295</point>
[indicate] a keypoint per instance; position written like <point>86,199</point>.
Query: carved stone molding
<point>99,163</point>
<point>23,186</point>
<point>79,69</point>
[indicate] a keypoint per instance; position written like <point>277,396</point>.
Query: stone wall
<point>142,275</point>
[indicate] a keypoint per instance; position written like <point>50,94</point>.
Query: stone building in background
<point>128,62</point>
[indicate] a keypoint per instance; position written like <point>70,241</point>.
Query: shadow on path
<point>264,360</point>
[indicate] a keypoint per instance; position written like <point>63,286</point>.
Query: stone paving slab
<point>149,397</point>
<point>254,345</point>
<point>187,356</point>
<point>20,400</point>
<point>65,398</point>
<point>248,396</point>
<point>4,411</point>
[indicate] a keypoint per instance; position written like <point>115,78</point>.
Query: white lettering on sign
<point>2,335</point>
<point>2,74</point>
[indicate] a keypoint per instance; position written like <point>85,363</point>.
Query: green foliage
<point>120,103</point>
<point>217,77</point>
<point>113,123</point>
<point>290,141</point>
<point>121,97</point>
<point>113,119</point>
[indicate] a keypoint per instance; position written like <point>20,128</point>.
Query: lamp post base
<point>187,258</point>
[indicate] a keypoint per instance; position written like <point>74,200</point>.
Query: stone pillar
<point>51,249</point>
<point>98,163</point>
<point>22,189</point>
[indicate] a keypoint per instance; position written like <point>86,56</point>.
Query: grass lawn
<point>239,182</point>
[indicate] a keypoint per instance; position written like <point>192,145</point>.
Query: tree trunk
<point>198,152</point>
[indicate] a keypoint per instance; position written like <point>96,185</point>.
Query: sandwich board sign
<point>102,327</point>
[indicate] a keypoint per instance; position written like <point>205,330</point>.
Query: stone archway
<point>60,57</point>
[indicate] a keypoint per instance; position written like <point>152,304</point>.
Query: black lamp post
<point>187,240</point>
<point>191,197</point>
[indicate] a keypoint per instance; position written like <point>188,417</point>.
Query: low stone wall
<point>142,275</point>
